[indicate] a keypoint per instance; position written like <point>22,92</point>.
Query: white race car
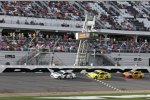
<point>62,75</point>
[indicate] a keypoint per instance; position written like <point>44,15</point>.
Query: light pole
<point>140,51</point>
<point>85,30</point>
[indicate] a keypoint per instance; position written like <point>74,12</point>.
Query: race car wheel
<point>107,77</point>
<point>95,77</point>
<point>123,75</point>
<point>58,77</point>
<point>141,76</point>
<point>129,76</point>
<point>71,77</point>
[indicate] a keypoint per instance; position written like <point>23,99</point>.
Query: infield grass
<point>32,98</point>
<point>61,97</point>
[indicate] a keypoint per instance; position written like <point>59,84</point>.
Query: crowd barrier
<point>37,68</point>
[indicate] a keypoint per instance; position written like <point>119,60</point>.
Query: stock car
<point>99,74</point>
<point>133,74</point>
<point>63,75</point>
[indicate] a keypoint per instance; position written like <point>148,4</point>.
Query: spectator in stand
<point>20,43</point>
<point>108,16</point>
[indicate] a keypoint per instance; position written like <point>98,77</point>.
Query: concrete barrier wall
<point>115,69</point>
<point>11,56</point>
<point>69,58</point>
<point>130,58</point>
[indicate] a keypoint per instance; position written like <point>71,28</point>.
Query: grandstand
<point>31,31</point>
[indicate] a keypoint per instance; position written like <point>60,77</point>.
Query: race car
<point>133,74</point>
<point>62,75</point>
<point>99,74</point>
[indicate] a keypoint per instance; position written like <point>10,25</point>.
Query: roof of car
<point>134,70</point>
<point>64,71</point>
<point>99,70</point>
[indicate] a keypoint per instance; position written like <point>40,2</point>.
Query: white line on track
<point>96,97</point>
<point>108,85</point>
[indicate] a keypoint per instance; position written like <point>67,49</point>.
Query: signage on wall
<point>9,56</point>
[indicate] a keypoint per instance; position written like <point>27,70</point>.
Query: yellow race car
<point>133,74</point>
<point>99,74</point>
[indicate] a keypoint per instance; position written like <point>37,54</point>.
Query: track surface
<point>41,82</point>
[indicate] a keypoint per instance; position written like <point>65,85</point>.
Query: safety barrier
<point>37,68</point>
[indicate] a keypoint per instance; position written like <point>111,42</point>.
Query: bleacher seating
<point>119,15</point>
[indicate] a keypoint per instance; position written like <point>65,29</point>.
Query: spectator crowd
<point>125,15</point>
<point>118,15</point>
<point>67,43</point>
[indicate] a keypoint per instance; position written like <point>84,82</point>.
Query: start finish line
<point>40,68</point>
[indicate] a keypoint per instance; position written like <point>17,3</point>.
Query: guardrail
<point>37,68</point>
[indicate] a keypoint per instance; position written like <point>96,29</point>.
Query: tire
<point>123,75</point>
<point>65,77</point>
<point>141,76</point>
<point>71,77</point>
<point>58,77</point>
<point>107,77</point>
<point>129,76</point>
<point>95,77</point>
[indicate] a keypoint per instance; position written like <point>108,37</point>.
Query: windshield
<point>63,72</point>
<point>131,72</point>
<point>102,73</point>
<point>60,72</point>
<point>96,72</point>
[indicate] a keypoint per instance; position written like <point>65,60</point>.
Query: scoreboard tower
<point>86,34</point>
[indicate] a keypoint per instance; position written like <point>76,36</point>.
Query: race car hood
<point>126,73</point>
<point>92,73</point>
<point>56,74</point>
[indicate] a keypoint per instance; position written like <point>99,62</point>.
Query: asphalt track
<point>41,82</point>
